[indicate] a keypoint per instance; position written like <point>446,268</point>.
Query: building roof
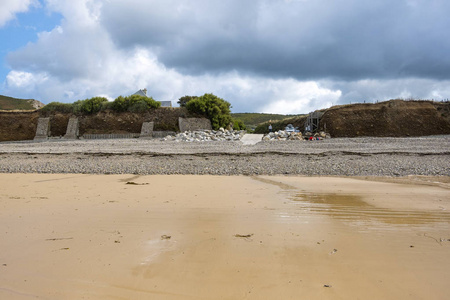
<point>141,93</point>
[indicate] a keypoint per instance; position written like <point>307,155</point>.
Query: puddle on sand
<point>353,209</point>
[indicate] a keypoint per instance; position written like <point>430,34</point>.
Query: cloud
<point>24,79</point>
<point>371,90</point>
<point>9,8</point>
<point>126,72</point>
<point>66,52</point>
<point>298,97</point>
<point>345,39</point>
<point>284,56</point>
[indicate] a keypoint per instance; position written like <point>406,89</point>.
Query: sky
<point>272,56</point>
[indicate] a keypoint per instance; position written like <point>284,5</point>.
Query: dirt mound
<point>15,126</point>
<point>164,118</point>
<point>391,118</point>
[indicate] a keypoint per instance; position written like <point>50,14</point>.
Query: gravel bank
<point>342,156</point>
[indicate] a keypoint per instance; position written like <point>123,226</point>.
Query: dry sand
<point>212,237</point>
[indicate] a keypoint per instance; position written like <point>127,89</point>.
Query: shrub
<point>185,99</point>
<point>58,107</point>
<point>133,103</point>
<point>238,125</point>
<point>214,108</point>
<point>89,106</point>
<point>142,100</point>
<point>140,106</point>
<point>119,104</point>
<point>106,106</point>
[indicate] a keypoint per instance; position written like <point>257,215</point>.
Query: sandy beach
<point>83,236</point>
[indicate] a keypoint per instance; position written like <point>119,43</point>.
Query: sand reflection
<point>355,210</point>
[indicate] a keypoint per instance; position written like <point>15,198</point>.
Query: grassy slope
<point>9,103</point>
<point>254,119</point>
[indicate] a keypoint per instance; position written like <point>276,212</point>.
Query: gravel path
<point>340,156</point>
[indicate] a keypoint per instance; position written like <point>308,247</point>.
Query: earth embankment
<point>17,126</point>
<point>395,118</point>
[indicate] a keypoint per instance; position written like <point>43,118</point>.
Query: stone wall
<point>193,124</point>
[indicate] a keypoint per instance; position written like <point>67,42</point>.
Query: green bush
<point>185,99</point>
<point>140,106</point>
<point>135,103</point>
<point>89,106</point>
<point>106,106</point>
<point>119,104</point>
<point>238,125</point>
<point>58,107</point>
<point>214,108</point>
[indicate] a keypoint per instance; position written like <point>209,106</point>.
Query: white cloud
<point>9,8</point>
<point>87,55</point>
<point>379,90</point>
<point>82,61</point>
<point>293,97</point>
<point>17,79</point>
<point>125,72</point>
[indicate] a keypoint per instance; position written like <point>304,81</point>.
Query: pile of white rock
<point>293,136</point>
<point>206,136</point>
<point>282,135</point>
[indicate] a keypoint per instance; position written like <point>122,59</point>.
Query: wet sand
<point>213,237</point>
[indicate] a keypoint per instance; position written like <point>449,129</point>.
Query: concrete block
<point>192,124</point>
<point>43,129</point>
<point>72,131</point>
<point>147,130</point>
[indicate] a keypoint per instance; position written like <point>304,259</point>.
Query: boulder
<point>207,136</point>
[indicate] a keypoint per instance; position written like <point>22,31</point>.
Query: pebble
<point>335,156</point>
<point>206,136</point>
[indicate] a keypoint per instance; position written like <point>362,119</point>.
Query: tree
<point>214,108</point>
<point>185,99</point>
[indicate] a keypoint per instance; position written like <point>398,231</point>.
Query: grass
<point>10,103</point>
<point>254,119</point>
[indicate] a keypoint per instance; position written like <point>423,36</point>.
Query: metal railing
<point>111,136</point>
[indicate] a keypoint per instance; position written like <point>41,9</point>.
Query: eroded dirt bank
<point>394,118</point>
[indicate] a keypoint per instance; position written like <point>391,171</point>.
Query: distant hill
<point>254,119</point>
<point>10,103</point>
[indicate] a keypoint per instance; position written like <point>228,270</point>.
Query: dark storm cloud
<point>337,39</point>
